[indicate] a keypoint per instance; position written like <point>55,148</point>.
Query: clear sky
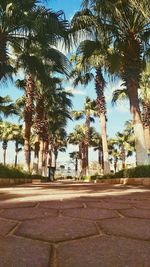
<point>116,115</point>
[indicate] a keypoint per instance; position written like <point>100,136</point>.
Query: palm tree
<point>75,157</point>
<point>113,153</point>
<point>96,143</point>
<point>52,111</point>
<point>59,143</point>
<point>93,57</point>
<point>7,107</point>
<point>122,145</point>
<point>125,144</point>
<point>38,56</point>
<point>145,103</point>
<point>128,29</point>
<point>10,132</point>
<point>89,111</point>
<point>144,98</point>
<point>16,19</point>
<point>77,138</point>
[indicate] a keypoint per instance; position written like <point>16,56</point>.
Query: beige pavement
<point>74,225</point>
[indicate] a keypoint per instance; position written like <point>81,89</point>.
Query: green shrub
<point>86,178</point>
<point>119,174</point>
<point>96,176</point>
<point>137,172</point>
<point>12,172</point>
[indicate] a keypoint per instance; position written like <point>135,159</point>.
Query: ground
<point>74,225</point>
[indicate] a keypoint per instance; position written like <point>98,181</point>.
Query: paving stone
<point>6,226</point>
<point>137,213</point>
<point>142,204</point>
<point>9,205</point>
<point>104,251</point>
<point>56,229</point>
<point>128,227</point>
<point>108,205</point>
<point>27,213</point>
<point>61,204</point>
<point>20,252</point>
<point>90,213</point>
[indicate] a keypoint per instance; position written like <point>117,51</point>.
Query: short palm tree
<point>96,143</point>
<point>10,132</point>
<point>89,111</point>
<point>75,157</point>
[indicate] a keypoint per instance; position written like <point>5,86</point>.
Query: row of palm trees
<point>29,36</point>
<point>116,43</point>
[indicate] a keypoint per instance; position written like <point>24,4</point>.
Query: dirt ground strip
<point>66,224</point>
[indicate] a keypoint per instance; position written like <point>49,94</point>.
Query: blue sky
<point>116,116</point>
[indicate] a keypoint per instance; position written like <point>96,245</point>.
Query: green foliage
<point>86,178</point>
<point>94,177</point>
<point>139,171</point>
<point>11,172</point>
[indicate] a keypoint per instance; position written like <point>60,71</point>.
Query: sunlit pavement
<point>68,224</point>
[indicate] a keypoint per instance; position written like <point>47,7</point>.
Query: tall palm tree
<point>144,99</point>
<point>52,110</point>
<point>128,29</point>
<point>37,53</point>
<point>92,56</point>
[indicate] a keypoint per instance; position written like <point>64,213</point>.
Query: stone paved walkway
<point>74,225</point>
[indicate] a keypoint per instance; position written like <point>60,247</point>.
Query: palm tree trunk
<point>4,156</point>
<point>147,138</point>
<point>100,158</point>
<point>141,152</point>
<point>28,119</point>
<point>82,158</point>
<point>3,54</point>
<point>101,108</point>
<point>44,170</point>
<point>55,157</point>
<point>76,165</point>
<point>104,144</point>
<point>41,157</point>
<point>16,153</point>
<point>123,157</point>
<point>87,132</point>
<point>36,154</point>
<point>50,155</point>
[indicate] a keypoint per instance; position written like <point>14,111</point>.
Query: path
<point>75,225</point>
